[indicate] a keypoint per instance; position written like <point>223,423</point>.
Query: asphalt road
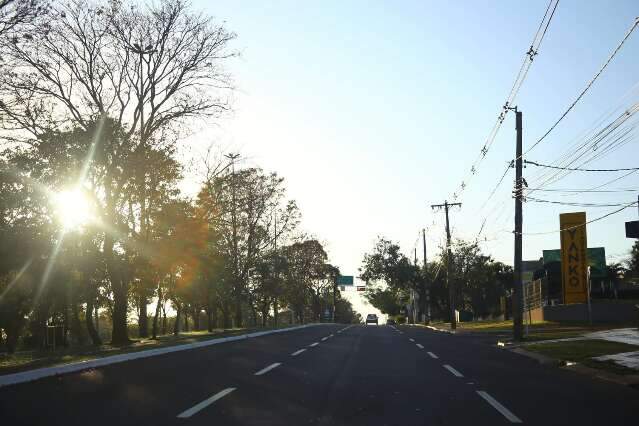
<point>325,375</point>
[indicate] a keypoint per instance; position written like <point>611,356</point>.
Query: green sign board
<point>345,280</point>
<point>596,260</point>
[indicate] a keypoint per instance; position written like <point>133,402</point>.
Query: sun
<point>73,209</point>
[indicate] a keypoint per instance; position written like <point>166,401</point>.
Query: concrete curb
<point>40,373</point>
<point>542,359</point>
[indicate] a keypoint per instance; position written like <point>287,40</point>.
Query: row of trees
<point>95,100</point>
<point>479,281</point>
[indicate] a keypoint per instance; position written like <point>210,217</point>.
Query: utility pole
<point>276,259</point>
<point>425,269</point>
<point>236,284</point>
<point>449,257</point>
<point>518,299</point>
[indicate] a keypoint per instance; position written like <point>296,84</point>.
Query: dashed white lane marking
<point>420,346</point>
<point>324,339</point>
<point>267,369</point>
<point>401,332</point>
<point>497,406</point>
<point>411,339</point>
<point>313,344</point>
<point>452,370</point>
<point>432,355</point>
<point>332,335</point>
<point>296,353</point>
<point>188,413</point>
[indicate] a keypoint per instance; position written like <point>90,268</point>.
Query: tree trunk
<point>209,326</point>
<point>143,318</point>
<point>164,317</point>
<point>157,312</point>
<point>97,320</point>
<point>120,335</point>
<point>176,326</point>
<point>196,318</point>
<point>93,333</point>
<point>226,318</point>
<point>77,329</point>
<point>238,312</point>
<point>275,312</point>
<point>185,312</point>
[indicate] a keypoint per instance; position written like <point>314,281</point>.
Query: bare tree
<point>149,69</point>
<point>14,13</point>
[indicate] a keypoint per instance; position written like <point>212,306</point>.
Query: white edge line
<point>267,369</point>
<point>452,370</point>
<point>420,346</point>
<point>296,353</point>
<point>497,406</point>
<point>188,413</point>
<point>40,373</point>
<point>432,355</point>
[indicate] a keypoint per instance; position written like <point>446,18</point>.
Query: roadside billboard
<point>596,260</point>
<point>574,262</point>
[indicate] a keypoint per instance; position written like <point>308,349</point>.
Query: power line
<point>587,223</point>
<point>565,203</point>
<point>578,169</point>
<point>519,80</point>
<point>579,191</point>
<point>588,86</point>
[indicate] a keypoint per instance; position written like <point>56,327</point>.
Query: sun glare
<point>73,209</point>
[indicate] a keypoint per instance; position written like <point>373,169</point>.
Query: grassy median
<point>28,360</point>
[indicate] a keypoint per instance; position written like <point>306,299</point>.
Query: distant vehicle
<point>372,318</point>
<point>390,321</point>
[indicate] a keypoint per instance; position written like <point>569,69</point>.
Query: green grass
<point>582,351</point>
<point>28,360</point>
<point>537,331</point>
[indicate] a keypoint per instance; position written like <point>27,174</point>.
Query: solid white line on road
<point>420,346</point>
<point>411,339</point>
<point>312,345</point>
<point>296,353</point>
<point>432,355</point>
<point>497,406</point>
<point>267,369</point>
<point>324,339</point>
<point>452,370</point>
<point>188,413</point>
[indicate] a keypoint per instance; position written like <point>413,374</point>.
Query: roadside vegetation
<point>98,243</point>
<point>582,352</point>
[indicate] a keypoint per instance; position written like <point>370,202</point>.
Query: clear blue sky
<point>374,110</point>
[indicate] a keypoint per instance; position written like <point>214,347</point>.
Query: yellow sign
<point>574,262</point>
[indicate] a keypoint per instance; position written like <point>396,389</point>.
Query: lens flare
<point>73,209</point>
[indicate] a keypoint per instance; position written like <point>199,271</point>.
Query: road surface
<point>326,375</point>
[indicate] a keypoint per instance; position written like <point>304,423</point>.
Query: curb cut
<point>40,373</point>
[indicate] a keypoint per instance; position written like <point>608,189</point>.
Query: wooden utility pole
<point>449,258</point>
<point>427,290</point>
<point>518,299</point>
